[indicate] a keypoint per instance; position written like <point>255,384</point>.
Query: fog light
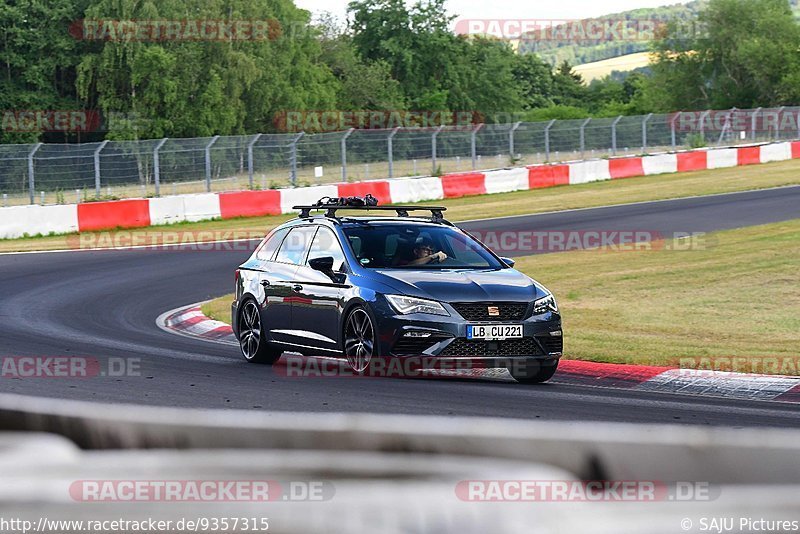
<point>417,334</point>
<point>555,333</point>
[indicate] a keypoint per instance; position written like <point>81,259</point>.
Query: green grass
<point>219,309</point>
<point>644,188</point>
<point>734,295</point>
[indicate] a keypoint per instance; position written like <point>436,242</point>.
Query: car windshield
<point>404,246</point>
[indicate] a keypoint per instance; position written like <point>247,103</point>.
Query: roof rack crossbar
<point>402,211</point>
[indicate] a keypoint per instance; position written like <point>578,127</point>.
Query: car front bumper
<point>444,338</point>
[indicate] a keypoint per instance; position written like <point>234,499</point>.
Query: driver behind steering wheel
<point>423,253</point>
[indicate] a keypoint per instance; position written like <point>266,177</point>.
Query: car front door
<point>319,297</point>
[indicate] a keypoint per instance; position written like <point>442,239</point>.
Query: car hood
<point>457,285</point>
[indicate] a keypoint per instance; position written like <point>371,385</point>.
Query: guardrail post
<point>433,148</point>
<point>293,159</point>
<point>703,123</point>
<point>208,162</point>
<point>583,136</point>
<point>250,165</point>
<point>644,131</point>
<point>547,140</point>
<point>473,145</point>
<point>798,124</point>
<point>157,166</point>
<point>672,130</point>
<point>753,123</point>
<point>726,126</point>
<point>97,167</point>
<point>344,153</point>
<point>511,139</point>
<point>614,135</point>
<point>390,151</point>
<point>31,181</point>
<point>778,123</point>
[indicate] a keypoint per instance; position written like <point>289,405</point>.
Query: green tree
<point>436,69</point>
<point>534,78</point>
<point>568,86</point>
<point>201,88</point>
<point>362,85</point>
<point>38,58</point>
<point>748,57</point>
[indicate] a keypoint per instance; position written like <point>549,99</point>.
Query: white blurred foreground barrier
<point>387,474</point>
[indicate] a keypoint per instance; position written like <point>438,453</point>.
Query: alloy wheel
<point>250,330</point>
<point>359,340</point>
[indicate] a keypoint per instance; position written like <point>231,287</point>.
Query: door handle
<point>297,287</point>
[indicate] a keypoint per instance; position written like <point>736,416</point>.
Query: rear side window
<point>294,246</point>
<point>267,249</point>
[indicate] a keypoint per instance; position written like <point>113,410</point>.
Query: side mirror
<point>509,261</point>
<point>323,264</point>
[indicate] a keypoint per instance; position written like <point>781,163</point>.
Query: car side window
<point>267,249</point>
<point>294,246</point>
<point>326,244</point>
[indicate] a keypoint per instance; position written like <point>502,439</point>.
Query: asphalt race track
<point>103,304</point>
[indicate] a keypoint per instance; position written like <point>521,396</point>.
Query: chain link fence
<point>63,173</point>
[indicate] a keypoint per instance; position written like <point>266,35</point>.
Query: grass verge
<point>518,203</point>
<point>732,304</point>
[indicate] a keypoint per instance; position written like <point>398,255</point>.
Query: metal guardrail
<point>69,173</point>
<point>614,451</point>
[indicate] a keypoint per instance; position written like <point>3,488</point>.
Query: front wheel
<point>251,336</point>
<point>359,339</point>
<point>533,371</point>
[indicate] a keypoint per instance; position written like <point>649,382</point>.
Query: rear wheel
<point>359,339</point>
<point>533,371</point>
<point>251,336</point>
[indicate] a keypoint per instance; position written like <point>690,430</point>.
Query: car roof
<point>356,221</point>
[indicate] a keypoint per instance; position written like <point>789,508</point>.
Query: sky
<point>512,9</point>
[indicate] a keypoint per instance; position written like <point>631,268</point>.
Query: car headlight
<point>407,305</point>
<point>545,304</point>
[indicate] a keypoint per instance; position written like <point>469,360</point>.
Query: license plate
<point>494,331</point>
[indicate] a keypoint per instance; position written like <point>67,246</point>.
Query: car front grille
<point>479,311</point>
<point>415,346</point>
<point>551,343</point>
<point>461,347</point>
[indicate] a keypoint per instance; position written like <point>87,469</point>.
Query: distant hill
<point>581,51</point>
<point>616,67</point>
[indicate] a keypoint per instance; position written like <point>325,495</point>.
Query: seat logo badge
<point>494,311</point>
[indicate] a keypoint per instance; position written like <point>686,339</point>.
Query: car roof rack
<point>402,211</point>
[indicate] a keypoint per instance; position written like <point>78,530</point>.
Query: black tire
<point>251,336</point>
<point>359,337</point>
<point>533,371</point>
